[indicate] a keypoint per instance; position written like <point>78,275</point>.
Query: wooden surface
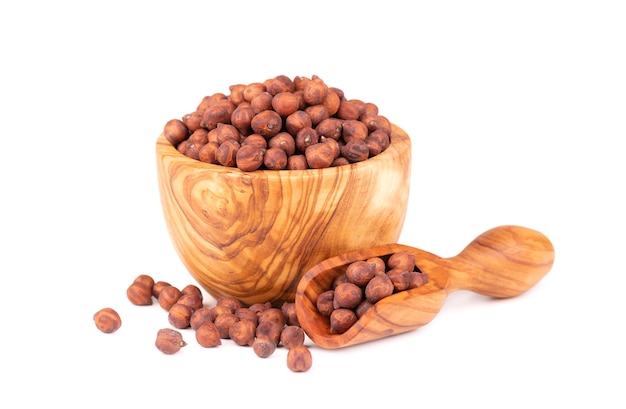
<point>252,235</point>
<point>502,262</point>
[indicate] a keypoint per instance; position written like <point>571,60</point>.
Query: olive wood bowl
<point>252,235</point>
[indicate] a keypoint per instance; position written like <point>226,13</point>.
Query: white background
<point>517,115</point>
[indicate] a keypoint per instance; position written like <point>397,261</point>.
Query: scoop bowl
<point>502,262</point>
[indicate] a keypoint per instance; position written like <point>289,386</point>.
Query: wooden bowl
<point>253,235</point>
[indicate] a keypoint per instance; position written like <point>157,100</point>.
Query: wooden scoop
<point>502,262</point>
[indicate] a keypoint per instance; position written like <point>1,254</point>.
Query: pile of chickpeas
<point>363,284</point>
<point>262,326</point>
<point>280,123</point>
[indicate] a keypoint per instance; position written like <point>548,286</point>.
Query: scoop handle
<point>502,262</point>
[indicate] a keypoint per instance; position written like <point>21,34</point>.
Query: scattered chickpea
<point>168,297</point>
<point>139,294</point>
<point>207,335</point>
<point>140,291</point>
<point>192,300</point>
<point>291,336</point>
<point>299,359</point>
<point>262,326</point>
<point>200,316</point>
<point>242,332</point>
<point>223,322</point>
<point>230,302</point>
<point>179,315</point>
<point>270,330</point>
<point>107,320</point>
<point>274,315</point>
<point>289,311</point>
<point>169,341</point>
<point>263,347</point>
<point>157,287</point>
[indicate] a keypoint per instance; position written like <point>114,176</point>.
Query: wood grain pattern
<point>252,235</point>
<point>502,262</point>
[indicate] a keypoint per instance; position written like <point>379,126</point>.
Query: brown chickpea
<point>207,335</point>
<point>242,332</point>
<point>402,260</point>
<point>223,322</point>
<point>107,320</point>
<point>245,313</point>
<point>255,139</point>
<point>179,315</point>
<point>305,138</point>
<point>324,302</point>
<point>280,83</point>
<point>296,121</point>
<point>200,316</point>
<point>241,118</point>
<point>249,157</point>
<point>334,145</point>
<point>275,159</point>
<point>269,330</point>
<point>292,336</point>
<point>400,278</point>
<point>332,102</point>
<point>297,162</point>
<point>261,102</point>
<point>315,91</point>
<point>192,150</point>
<point>219,112</point>
<point>340,161</point>
<point>284,141</point>
<point>193,120</point>
<point>157,287</point>
<point>251,90</point>
<point>168,297</point>
<point>347,110</point>
<point>139,294</point>
<point>169,341</point>
<point>273,315</point>
<point>378,288</point>
<point>209,100</point>
<point>289,311</point>
<point>355,151</point>
<point>226,154</point>
<point>199,136</point>
<point>347,295</point>
<point>361,272</point>
<point>285,103</point>
<point>224,132</point>
<point>417,279</point>
<point>236,93</point>
<point>232,303</point>
<point>263,347</point>
<point>330,128</point>
<point>317,113</point>
<point>354,129</point>
<point>192,300</point>
<point>208,153</point>
<point>175,131</point>
<point>267,123</point>
<point>341,320</point>
<point>299,359</point>
<point>319,155</point>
